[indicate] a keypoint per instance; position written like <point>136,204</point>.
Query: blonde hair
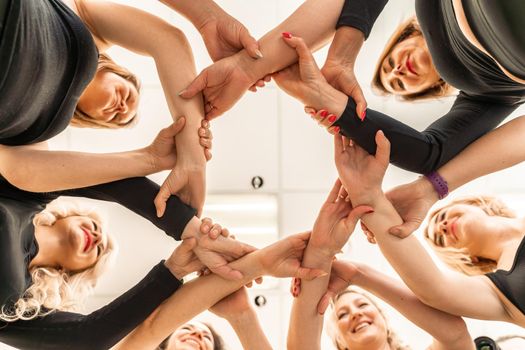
<point>333,331</point>
<point>56,289</point>
<point>83,120</point>
<point>459,259</point>
<point>405,30</point>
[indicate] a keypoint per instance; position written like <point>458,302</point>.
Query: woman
<point>193,335</point>
<point>359,324</point>
<point>449,291</point>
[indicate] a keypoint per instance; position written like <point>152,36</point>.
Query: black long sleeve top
<point>66,330</point>
<point>487,96</point>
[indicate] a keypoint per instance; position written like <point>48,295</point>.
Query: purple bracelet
<point>439,183</point>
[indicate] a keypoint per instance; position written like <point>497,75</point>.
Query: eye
<point>208,336</point>
<point>363,305</point>
<point>401,85</point>
<point>95,226</point>
<point>341,315</point>
<point>391,62</point>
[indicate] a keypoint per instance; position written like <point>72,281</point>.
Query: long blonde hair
<point>56,289</point>
<point>333,331</point>
<point>83,120</point>
<point>459,259</point>
<point>405,30</point>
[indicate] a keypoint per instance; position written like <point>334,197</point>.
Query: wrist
<point>192,229</point>
<point>433,186</point>
<point>369,197</point>
<point>345,46</point>
<point>241,318</point>
<point>175,270</point>
<point>332,100</point>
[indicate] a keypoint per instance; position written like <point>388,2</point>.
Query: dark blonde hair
<point>405,30</point>
<point>459,259</point>
<point>392,338</point>
<point>83,120</point>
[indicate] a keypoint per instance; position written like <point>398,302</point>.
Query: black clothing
<point>63,330</point>
<point>361,14</point>
<point>47,58</point>
<point>4,5</point>
<point>486,98</point>
<point>512,283</point>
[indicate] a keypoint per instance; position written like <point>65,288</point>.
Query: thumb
<point>383,148</point>
<point>305,56</point>
<point>170,186</point>
<point>187,245</point>
<point>357,213</point>
<point>359,98</point>
<point>250,44</point>
<point>309,274</point>
<point>196,86</point>
<point>175,127</point>
<point>404,230</point>
<point>323,303</point>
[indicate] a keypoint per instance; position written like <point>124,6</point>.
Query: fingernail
<point>182,92</point>
<point>215,232</point>
<point>362,116</point>
<point>323,113</point>
<point>369,211</point>
<point>205,227</point>
<point>337,129</point>
<point>294,290</point>
<point>259,53</point>
<point>287,35</point>
<point>332,118</point>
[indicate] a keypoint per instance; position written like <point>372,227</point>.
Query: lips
<point>360,326</point>
<point>193,342</point>
<point>452,228</point>
<point>410,67</point>
<point>88,240</point>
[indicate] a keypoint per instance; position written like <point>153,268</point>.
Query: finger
<point>205,133</point>
<point>304,53</point>
<point>187,246</point>
<point>250,44</point>
<point>338,144</point>
<point>320,115</point>
<point>207,154</point>
<point>404,230</point>
<point>334,192</point>
<point>359,98</point>
<point>206,143</point>
<point>309,110</point>
<point>253,88</point>
<point>334,130</point>
<point>260,83</point>
<point>214,113</point>
<point>323,303</point>
<point>215,231</point>
<point>196,86</point>
<point>249,284</point>
<point>267,78</point>
<point>205,124</point>
<point>175,127</point>
<point>309,274</point>
<point>357,213</point>
<point>227,272</point>
<point>383,148</point>
<point>161,199</point>
<point>259,280</point>
<point>206,225</point>
<point>225,232</point>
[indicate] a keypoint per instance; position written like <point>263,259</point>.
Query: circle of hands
<point>222,84</point>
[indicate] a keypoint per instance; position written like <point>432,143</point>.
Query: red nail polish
<point>369,211</point>
<point>336,129</point>
<point>332,118</point>
<point>363,115</point>
<point>287,35</point>
<point>323,113</point>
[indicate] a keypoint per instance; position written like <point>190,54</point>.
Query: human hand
<point>222,84</point>
<point>305,82</point>
<point>284,257</point>
<point>224,36</point>
<point>183,261</point>
<point>360,172</point>
<point>339,66</point>
<point>216,249</point>
<point>412,201</point>
<point>205,138</point>
<point>232,305</point>
<point>340,278</point>
<point>335,223</point>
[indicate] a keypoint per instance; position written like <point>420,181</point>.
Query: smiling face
<point>359,322</point>
<point>82,242</point>
<point>408,69</point>
<point>192,336</point>
<point>110,98</point>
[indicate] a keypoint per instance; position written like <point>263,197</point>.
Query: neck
<point>379,344</point>
<point>504,232</point>
<point>47,244</point>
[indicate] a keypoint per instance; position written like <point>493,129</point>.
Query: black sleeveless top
<point>47,58</point>
<point>512,283</point>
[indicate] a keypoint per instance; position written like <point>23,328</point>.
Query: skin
<point>73,243</point>
<point>408,68</point>
<point>191,336</point>
<point>110,98</point>
<point>354,310</point>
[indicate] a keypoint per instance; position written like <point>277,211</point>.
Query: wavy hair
<point>405,30</point>
<point>55,289</point>
<point>459,259</point>
<point>331,327</point>
<point>83,120</point>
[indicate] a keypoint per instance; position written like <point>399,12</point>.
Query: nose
<point>443,227</point>
<point>123,106</point>
<point>399,70</point>
<point>197,333</point>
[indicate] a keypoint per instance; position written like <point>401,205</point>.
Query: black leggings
<point>499,27</point>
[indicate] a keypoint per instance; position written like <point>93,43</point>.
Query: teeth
<point>361,326</point>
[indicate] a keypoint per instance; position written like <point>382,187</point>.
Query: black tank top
<point>512,283</point>
<point>47,58</point>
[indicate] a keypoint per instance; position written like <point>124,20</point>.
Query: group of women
<point>54,72</point>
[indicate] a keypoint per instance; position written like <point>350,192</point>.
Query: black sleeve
<point>361,14</point>
<point>423,152</point>
<point>137,194</point>
<point>99,330</point>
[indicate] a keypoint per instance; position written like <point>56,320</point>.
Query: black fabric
<point>361,14</point>
<point>498,25</point>
<point>512,283</point>
<point>4,6</point>
<point>63,330</point>
<point>486,98</point>
<point>99,330</point>
<point>47,58</point>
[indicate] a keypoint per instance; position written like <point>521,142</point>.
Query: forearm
<point>306,324</point>
<point>203,292</point>
<point>45,171</point>
<point>249,330</point>
<point>346,46</point>
<point>197,12</point>
<point>446,329</point>
<point>314,21</point>
<point>500,149</point>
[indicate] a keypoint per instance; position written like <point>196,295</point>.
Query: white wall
<point>267,134</point>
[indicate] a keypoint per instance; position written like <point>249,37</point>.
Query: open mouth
<point>88,240</point>
<point>410,67</point>
<point>193,342</point>
<point>361,326</point>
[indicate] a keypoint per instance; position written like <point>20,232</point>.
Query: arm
<point>146,34</point>
<point>238,311</point>
<point>445,290</point>
<point>449,332</point>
